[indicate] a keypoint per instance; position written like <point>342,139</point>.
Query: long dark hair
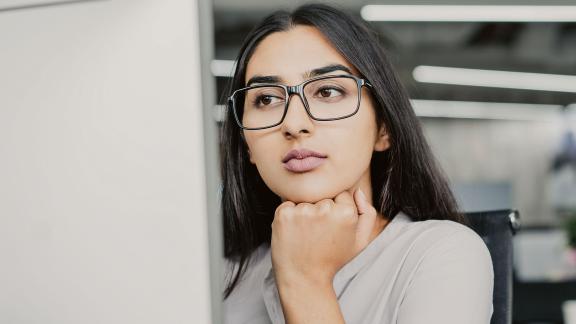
<point>405,177</point>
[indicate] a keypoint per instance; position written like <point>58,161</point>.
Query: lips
<point>303,160</point>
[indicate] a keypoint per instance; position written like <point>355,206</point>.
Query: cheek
<point>261,150</point>
<point>354,151</point>
<point>360,131</point>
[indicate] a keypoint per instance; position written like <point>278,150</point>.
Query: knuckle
<point>283,213</point>
<point>324,206</point>
<point>306,209</point>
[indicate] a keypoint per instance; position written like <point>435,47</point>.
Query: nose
<point>297,121</point>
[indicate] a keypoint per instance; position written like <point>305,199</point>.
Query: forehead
<point>290,54</point>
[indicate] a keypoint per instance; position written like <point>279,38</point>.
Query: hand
<point>313,241</point>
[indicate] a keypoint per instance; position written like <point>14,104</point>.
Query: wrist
<point>299,281</point>
<point>310,300</point>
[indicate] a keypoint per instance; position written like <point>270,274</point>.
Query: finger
<point>283,209</point>
<point>325,205</point>
<point>285,204</point>
<point>306,209</point>
<point>366,219</point>
<point>362,203</point>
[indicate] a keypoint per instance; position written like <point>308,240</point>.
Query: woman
<point>334,209</point>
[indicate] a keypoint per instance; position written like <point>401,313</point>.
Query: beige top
<point>426,272</point>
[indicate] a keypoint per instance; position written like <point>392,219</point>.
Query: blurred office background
<point>495,89</point>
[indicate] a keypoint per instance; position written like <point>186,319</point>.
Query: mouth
<point>303,160</point>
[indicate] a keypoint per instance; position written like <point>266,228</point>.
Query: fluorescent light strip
<point>223,68</point>
<point>486,110</point>
<point>469,110</point>
<point>495,79</point>
<point>471,13</point>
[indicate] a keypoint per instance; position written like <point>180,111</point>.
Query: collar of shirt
<point>342,277</point>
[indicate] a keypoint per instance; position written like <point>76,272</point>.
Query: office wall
<point>518,153</point>
<point>102,193</point>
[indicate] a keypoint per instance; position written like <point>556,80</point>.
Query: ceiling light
<point>486,110</point>
<point>469,13</point>
<point>495,79</point>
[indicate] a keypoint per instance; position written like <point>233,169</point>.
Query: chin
<point>309,194</point>
<point>307,187</point>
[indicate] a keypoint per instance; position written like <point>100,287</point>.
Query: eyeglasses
<point>325,98</point>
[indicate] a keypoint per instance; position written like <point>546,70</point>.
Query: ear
<point>250,155</point>
<point>382,142</point>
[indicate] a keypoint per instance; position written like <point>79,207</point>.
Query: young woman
<point>334,208</point>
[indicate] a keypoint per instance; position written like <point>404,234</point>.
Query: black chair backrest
<point>496,229</point>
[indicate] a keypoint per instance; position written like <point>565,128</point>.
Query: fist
<point>312,241</point>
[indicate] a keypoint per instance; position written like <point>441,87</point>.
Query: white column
<point>102,191</point>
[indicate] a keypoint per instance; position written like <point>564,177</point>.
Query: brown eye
<point>265,100</point>
<point>328,92</point>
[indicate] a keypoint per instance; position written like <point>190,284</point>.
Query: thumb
<point>366,219</point>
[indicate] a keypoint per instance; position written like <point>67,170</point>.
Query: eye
<point>265,100</point>
<point>329,92</point>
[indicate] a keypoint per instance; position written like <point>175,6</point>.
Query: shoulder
<point>445,236</point>
<point>447,247</point>
<point>255,259</point>
<point>255,266</point>
<point>452,276</point>
<point>435,245</point>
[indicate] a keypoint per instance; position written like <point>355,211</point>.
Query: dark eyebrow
<point>327,69</point>
<point>263,79</point>
<point>315,72</point>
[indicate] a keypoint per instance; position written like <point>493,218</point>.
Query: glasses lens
<point>262,106</point>
<point>332,97</point>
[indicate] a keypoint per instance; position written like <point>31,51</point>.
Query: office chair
<point>496,229</point>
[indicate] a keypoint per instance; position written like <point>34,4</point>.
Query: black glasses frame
<point>299,90</point>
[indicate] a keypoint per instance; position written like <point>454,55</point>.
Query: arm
<point>306,301</point>
<point>453,283</point>
<point>310,243</point>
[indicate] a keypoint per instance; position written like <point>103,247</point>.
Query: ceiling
<point>524,47</point>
